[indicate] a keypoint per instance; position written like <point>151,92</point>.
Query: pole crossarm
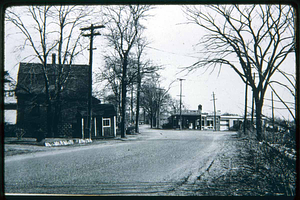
<point>92,27</point>
<point>89,35</point>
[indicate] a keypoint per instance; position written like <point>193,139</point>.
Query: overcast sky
<point>173,45</point>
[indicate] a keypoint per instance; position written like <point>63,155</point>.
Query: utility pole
<point>90,82</point>
<point>180,79</point>
<point>245,116</point>
<point>215,117</point>
<point>158,106</point>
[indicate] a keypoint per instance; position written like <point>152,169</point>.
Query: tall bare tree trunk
<point>124,84</point>
<point>258,120</point>
<point>258,97</point>
<point>138,101</point>
<point>48,105</point>
<point>131,106</point>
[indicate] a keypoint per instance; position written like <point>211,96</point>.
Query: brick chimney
<point>200,108</point>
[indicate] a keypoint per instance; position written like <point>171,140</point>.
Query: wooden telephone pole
<point>215,117</point>
<point>180,79</point>
<point>91,36</point>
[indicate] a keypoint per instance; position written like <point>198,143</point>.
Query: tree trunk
<point>258,112</point>
<point>154,119</point>
<point>144,115</point>
<point>49,117</point>
<point>151,120</point>
<point>124,82</point>
<point>131,106</point>
<point>119,106</point>
<point>258,122</point>
<point>48,104</point>
<point>137,103</point>
<point>57,106</point>
<point>158,116</point>
<point>57,115</point>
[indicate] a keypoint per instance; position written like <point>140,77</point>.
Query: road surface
<point>155,162</point>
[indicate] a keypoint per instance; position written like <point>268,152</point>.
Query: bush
<point>167,126</point>
<point>20,133</point>
<point>39,135</point>
<point>130,130</point>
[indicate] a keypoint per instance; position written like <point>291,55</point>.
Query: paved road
<point>156,162</point>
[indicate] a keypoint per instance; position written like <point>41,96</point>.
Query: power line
<point>171,52</point>
<point>279,101</point>
<point>279,107</point>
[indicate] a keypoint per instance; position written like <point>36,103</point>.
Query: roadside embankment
<point>245,167</point>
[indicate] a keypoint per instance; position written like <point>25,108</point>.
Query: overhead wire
<point>170,52</point>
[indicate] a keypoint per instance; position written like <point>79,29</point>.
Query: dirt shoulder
<point>243,167</point>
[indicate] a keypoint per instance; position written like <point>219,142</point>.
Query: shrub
<point>130,130</point>
<point>167,126</point>
<point>39,135</point>
<point>20,133</point>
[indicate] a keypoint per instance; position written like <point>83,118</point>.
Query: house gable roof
<point>74,79</point>
<point>104,110</point>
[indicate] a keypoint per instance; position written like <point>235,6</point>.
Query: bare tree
<point>154,99</point>
<point>49,29</point>
<point>124,26</point>
<point>149,100</point>
<point>144,68</point>
<point>40,46</point>
<point>68,19</point>
<point>248,38</point>
<point>111,76</point>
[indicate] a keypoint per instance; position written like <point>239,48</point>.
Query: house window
<point>106,122</point>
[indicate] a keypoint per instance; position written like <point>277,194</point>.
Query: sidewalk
<point>46,141</point>
<point>13,146</point>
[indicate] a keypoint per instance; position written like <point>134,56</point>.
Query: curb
<point>67,142</point>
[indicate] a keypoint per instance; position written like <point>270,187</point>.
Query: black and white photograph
<point>150,100</point>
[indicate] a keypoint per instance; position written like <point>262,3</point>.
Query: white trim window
<point>106,122</point>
